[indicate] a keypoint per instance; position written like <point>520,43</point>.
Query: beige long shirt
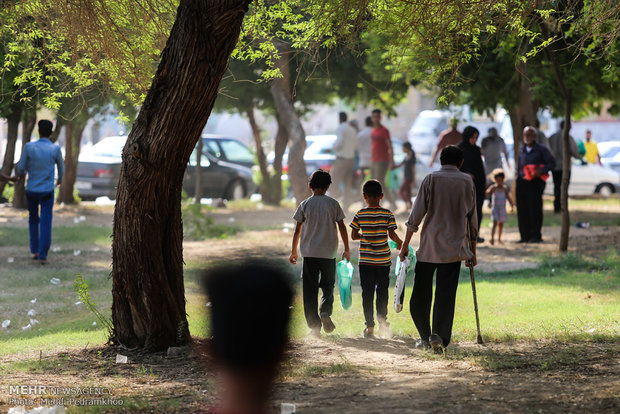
<point>447,203</point>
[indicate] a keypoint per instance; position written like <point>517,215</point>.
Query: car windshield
<point>610,152</point>
<point>109,147</point>
<point>236,151</point>
<point>426,124</point>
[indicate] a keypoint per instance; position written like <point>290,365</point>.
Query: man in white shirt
<point>343,169</point>
<point>364,143</point>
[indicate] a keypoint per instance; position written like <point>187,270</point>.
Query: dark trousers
<point>374,278</point>
<point>530,208</point>
<point>40,227</point>
<point>557,190</point>
<point>318,273</point>
<point>445,296</point>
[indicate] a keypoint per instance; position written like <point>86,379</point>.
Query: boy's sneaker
<point>369,332</point>
<point>436,343</point>
<point>328,324</point>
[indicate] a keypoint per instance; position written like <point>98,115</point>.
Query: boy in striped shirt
<point>372,226</point>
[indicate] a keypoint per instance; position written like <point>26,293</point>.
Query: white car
<point>610,154</point>
<point>587,179</point>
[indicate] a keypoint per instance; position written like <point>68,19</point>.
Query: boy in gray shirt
<point>316,219</point>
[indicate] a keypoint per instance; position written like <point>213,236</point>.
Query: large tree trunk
<point>148,301</point>
<point>73,138</point>
<point>29,121</point>
<point>11,138</point>
<point>281,92</point>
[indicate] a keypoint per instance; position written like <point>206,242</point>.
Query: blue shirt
<point>538,155</point>
<point>38,159</point>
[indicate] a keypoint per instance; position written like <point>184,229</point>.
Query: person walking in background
<point>364,144</point>
<point>499,193</point>
<point>592,155</point>
<point>372,226</point>
<point>382,155</point>
<point>447,137</point>
<point>344,165</point>
<point>535,162</point>
<point>317,218</point>
<point>492,147</point>
<point>38,160</point>
<point>472,165</point>
<point>446,202</point>
<point>556,146</point>
<point>409,183</point>
<point>541,138</point>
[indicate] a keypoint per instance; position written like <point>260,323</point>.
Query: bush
<point>199,226</point>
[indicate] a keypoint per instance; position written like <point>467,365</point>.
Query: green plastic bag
<point>411,256</point>
<point>344,270</point>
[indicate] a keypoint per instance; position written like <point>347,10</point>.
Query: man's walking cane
<point>473,288</point>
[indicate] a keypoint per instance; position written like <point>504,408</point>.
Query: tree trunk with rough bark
<point>280,149</point>
<point>29,121</point>
<point>281,92</point>
<point>13,121</point>
<point>73,138</point>
<point>148,300</point>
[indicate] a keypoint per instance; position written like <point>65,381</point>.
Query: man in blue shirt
<point>38,160</point>
<point>530,187</point>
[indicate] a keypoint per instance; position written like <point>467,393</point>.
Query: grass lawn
<point>567,298</point>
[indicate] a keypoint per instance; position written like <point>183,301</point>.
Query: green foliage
<point>199,226</point>
<point>81,288</point>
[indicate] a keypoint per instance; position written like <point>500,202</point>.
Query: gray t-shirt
<point>319,236</point>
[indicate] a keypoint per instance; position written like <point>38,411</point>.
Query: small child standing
<point>500,193</point>
<point>317,218</point>
<point>408,174</point>
<point>372,226</point>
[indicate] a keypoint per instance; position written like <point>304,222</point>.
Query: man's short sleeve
<point>355,224</point>
<point>391,225</point>
<point>299,215</point>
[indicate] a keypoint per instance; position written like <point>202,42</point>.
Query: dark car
<point>99,169</point>
<point>228,149</point>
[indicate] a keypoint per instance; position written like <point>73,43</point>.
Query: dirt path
<point>355,375</point>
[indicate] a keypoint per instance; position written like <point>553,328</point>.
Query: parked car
<point>425,130</point>
<point>99,170</point>
<point>228,149</point>
<point>610,154</point>
<point>319,153</point>
<point>587,179</point>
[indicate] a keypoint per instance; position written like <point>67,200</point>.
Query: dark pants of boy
<point>445,295</point>
<point>318,273</point>
<point>530,208</point>
<point>40,227</point>
<point>374,278</point>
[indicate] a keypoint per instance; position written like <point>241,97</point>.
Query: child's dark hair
<point>407,145</point>
<point>499,175</point>
<point>320,180</point>
<point>372,189</point>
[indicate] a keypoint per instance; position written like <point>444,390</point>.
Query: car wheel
<point>235,191</point>
<point>605,190</point>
